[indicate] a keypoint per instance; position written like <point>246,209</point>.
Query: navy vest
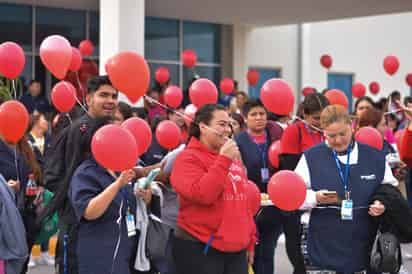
<point>334,244</point>
<point>252,157</point>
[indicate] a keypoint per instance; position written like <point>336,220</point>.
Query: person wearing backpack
<point>64,156</point>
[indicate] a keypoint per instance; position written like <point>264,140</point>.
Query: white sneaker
<point>32,263</point>
<point>403,270</point>
<point>46,259</point>
<point>406,256</point>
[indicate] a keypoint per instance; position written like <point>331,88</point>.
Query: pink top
<point>390,137</point>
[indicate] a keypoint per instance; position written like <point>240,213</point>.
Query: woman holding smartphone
<point>340,230</point>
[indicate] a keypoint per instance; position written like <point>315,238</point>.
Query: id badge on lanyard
<point>130,224</point>
<point>347,203</point>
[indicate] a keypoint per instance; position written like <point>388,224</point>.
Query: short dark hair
<point>314,102</point>
<point>96,82</point>
<point>141,112</point>
<point>125,110</point>
<point>34,81</point>
<point>203,115</point>
<point>251,103</point>
<point>394,94</point>
<point>360,100</point>
<point>407,100</point>
<point>238,118</point>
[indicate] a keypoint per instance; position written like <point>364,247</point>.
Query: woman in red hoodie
<point>215,228</point>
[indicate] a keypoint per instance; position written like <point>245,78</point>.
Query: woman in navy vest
<point>341,176</point>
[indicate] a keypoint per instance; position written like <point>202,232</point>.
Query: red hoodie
<point>406,148</point>
<point>212,198</point>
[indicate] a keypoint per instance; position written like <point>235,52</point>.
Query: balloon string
<point>152,100</point>
<point>80,87</point>
<point>75,97</point>
<point>16,164</point>
<point>306,123</point>
<point>70,119</point>
<point>14,88</point>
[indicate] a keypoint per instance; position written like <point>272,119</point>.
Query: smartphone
<point>330,193</point>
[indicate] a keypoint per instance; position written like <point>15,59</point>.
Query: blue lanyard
<point>345,180</point>
<point>263,150</point>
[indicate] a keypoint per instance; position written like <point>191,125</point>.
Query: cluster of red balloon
<point>14,120</point>
<point>358,90</point>
<point>374,87</point>
<point>162,75</point>
<point>12,60</point>
<point>337,97</point>
<point>287,190</point>
<point>227,85</point>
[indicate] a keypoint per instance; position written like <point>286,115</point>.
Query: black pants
<point>32,231</point>
<point>190,259</point>
<point>292,230</point>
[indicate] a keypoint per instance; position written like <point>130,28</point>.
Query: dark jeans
<point>167,264</point>
<point>292,230</point>
<point>32,230</point>
<point>269,227</point>
<point>189,259</point>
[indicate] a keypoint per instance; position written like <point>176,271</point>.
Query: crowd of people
<point>195,215</point>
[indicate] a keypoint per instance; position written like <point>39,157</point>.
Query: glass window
<point>94,30</point>
<point>173,70</point>
<point>211,73</point>
<point>16,25</point>
<point>68,23</point>
<point>204,38</point>
<point>161,39</point>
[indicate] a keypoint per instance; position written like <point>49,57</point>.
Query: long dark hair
<point>314,102</point>
<point>203,115</point>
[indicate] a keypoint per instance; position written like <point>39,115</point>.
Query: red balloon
<point>408,79</point>
<point>56,55</point>
<point>14,120</point>
<point>189,58</point>
<point>227,85</point>
<point>173,96</point>
<point>76,60</point>
<point>190,112</point>
<point>141,133</point>
<point>86,47</point>
<point>374,87</point>
<point>277,96</point>
<point>358,90</point>
<point>253,197</point>
<point>308,90</point>
<point>337,97</point>
<point>287,190</point>
<point>202,92</point>
<point>252,77</point>
<point>63,96</point>
<point>274,152</point>
<point>129,73</point>
<point>162,75</point>
<point>168,134</point>
<point>370,136</point>
<point>326,61</point>
<point>12,60</point>
<point>114,148</point>
<point>391,64</point>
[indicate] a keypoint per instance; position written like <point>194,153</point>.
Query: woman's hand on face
<point>125,177</point>
<point>230,150</point>
<point>376,209</point>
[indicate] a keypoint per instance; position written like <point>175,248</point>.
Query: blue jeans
<point>269,226</point>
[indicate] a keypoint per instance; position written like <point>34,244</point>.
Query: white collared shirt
<point>303,170</point>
